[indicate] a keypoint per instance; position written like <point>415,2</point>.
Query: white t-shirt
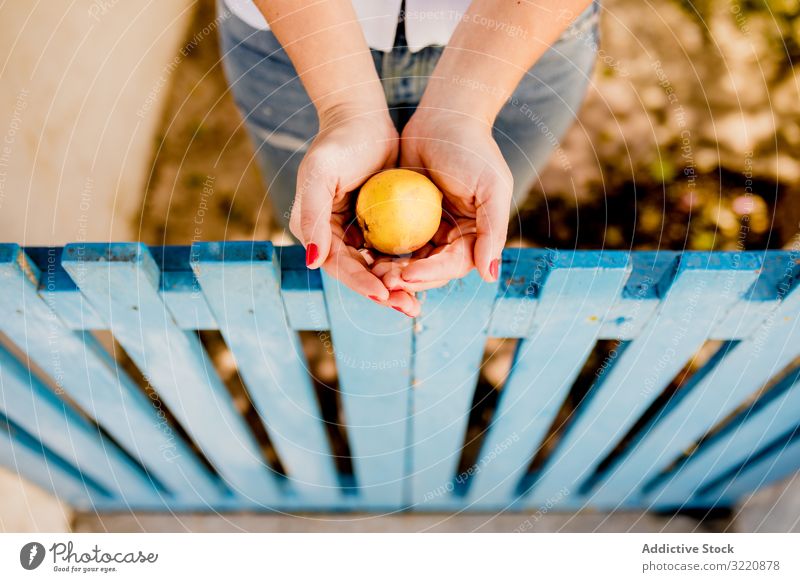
<point>427,22</point>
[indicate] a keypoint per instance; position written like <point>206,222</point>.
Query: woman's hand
<point>352,144</point>
<point>458,153</point>
<point>449,137</point>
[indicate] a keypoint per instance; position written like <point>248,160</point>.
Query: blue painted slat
<point>762,299</point>
<point>757,428</point>
<point>60,292</point>
<point>241,282</point>
<point>704,288</point>
<point>639,300</point>
<point>305,303</point>
<point>743,369</point>
<point>372,347</point>
<point>120,280</point>
<point>180,290</point>
<point>579,290</point>
<point>448,349</point>
<point>780,461</point>
<point>37,410</point>
<point>80,366</point>
<point>301,290</point>
<point>23,455</point>
<point>524,272</point>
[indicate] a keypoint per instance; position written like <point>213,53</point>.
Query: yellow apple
<point>398,211</point>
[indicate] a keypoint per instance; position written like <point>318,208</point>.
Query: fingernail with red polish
<point>494,268</point>
<point>374,298</point>
<point>312,254</point>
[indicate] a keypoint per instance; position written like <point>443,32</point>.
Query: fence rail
<point>644,379</point>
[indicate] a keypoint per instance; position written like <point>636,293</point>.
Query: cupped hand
<point>462,158</point>
<point>351,146</point>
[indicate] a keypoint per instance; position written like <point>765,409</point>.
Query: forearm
<point>494,45</point>
<point>325,43</point>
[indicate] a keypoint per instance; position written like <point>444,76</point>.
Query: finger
<point>384,265</point>
<point>453,261</point>
<point>400,297</point>
<point>426,285</point>
<point>381,267</point>
<point>393,280</point>
<point>491,218</point>
<point>389,272</point>
<point>405,303</point>
<point>311,214</point>
<point>350,267</point>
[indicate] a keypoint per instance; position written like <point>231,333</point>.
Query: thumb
<point>310,221</point>
<point>491,227</point>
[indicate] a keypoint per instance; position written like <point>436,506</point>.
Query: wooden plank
<point>780,460</point>
<point>180,290</point>
<point>639,300</point>
<point>241,283</point>
<point>761,300</point>
<point>756,428</point>
<point>79,365</point>
<point>304,300</point>
<point>704,288</point>
<point>24,455</point>
<point>525,271</point>
<point>579,290</point>
<point>372,347</point>
<point>120,280</point>
<point>449,343</point>
<point>30,405</point>
<point>301,290</point>
<point>60,292</point>
<point>742,370</point>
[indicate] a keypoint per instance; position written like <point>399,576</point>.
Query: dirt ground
<point>688,139</point>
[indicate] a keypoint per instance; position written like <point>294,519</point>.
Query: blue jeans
<point>282,121</point>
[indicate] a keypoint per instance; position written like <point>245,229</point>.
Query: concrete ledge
<point>400,523</point>
<point>25,508</point>
<point>774,509</point>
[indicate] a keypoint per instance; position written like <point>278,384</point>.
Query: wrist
<point>432,121</point>
<point>467,97</point>
<point>368,104</point>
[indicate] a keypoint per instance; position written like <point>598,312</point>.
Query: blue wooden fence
<point>648,430</point>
